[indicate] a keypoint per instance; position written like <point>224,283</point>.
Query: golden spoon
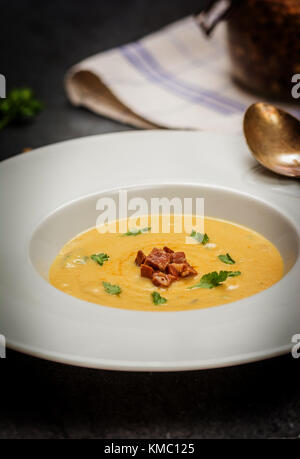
<point>273,137</point>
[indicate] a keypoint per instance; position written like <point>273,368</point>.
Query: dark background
<point>39,41</point>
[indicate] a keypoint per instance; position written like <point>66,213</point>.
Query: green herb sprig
<point>19,105</point>
<point>136,231</point>
<point>111,289</point>
<point>199,237</point>
<point>100,258</point>
<point>226,259</point>
<point>157,299</point>
<point>214,279</point>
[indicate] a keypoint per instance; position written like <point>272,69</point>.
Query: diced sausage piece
<point>162,279</point>
<point>140,258</point>
<point>164,266</point>
<point>181,269</point>
<point>147,271</point>
<point>178,257</point>
<point>178,268</point>
<point>158,259</point>
<point>173,270</point>
<point>188,270</point>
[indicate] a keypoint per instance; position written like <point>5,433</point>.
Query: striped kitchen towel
<point>175,78</point>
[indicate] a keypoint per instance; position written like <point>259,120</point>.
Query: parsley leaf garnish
<point>226,259</point>
<point>100,258</point>
<point>20,105</point>
<point>215,279</point>
<point>136,231</point>
<point>157,299</point>
<point>199,237</point>
<point>111,289</point>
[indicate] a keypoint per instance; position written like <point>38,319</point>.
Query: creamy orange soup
<point>255,258</point>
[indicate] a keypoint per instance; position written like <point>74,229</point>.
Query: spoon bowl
<point>273,137</point>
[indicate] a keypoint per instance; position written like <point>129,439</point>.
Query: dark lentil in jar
<point>264,45</point>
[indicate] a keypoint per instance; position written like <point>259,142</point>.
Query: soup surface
<point>117,282</point>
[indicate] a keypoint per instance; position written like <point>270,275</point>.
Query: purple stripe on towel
<point>128,52</point>
<point>194,89</point>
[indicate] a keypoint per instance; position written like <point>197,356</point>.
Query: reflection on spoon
<point>273,137</point>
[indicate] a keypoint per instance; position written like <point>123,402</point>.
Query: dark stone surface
<point>44,399</point>
<point>40,399</point>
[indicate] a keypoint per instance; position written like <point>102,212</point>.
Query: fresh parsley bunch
<point>20,105</point>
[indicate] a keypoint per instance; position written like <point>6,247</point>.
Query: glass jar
<point>264,45</point>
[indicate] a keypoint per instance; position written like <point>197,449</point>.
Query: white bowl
<point>48,196</point>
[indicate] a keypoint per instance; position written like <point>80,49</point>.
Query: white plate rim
<point>141,366</point>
